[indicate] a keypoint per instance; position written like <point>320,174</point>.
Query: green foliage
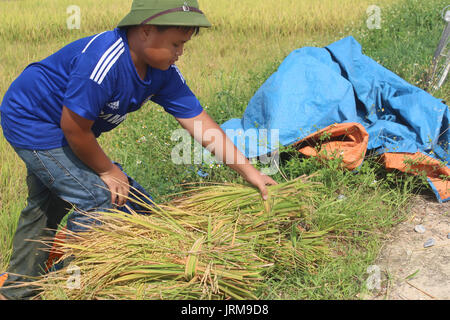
<point>407,40</point>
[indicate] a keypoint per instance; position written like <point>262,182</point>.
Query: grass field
<point>224,66</point>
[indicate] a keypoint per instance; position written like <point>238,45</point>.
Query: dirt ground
<point>407,270</point>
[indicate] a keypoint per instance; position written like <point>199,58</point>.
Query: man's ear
<point>146,32</point>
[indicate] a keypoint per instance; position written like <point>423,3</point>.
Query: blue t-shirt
<point>95,78</point>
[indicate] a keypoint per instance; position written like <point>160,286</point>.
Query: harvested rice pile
<point>213,242</point>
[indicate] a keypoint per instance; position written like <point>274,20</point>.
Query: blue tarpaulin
<point>316,87</point>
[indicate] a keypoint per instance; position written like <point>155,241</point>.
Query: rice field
<point>223,66</point>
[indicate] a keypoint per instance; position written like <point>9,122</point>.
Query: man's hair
<point>164,28</point>
<point>184,28</point>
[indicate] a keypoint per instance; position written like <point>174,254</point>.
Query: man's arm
<point>209,134</point>
<point>83,143</point>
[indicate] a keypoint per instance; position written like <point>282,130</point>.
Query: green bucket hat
<point>165,13</point>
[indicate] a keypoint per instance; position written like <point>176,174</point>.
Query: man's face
<point>161,49</point>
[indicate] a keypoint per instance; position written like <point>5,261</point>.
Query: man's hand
<point>117,183</point>
<point>83,143</point>
<point>260,181</point>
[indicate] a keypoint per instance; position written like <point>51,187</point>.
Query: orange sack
<point>416,163</point>
<point>349,141</point>
<point>346,140</point>
<point>3,278</point>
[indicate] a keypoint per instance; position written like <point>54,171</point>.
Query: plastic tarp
<point>317,88</point>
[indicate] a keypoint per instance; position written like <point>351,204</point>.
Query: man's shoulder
<point>100,43</point>
<point>100,54</point>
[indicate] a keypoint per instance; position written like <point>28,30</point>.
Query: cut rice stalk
<point>217,242</point>
<point>191,261</point>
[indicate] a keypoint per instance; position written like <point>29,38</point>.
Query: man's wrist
<point>108,170</point>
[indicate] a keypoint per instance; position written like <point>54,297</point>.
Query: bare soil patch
<point>407,269</point>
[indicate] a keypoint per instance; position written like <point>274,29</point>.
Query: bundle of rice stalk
<point>281,229</point>
<point>215,242</point>
<point>153,257</point>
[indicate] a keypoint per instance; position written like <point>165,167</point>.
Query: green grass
<point>361,207</point>
<point>225,66</point>
<point>12,201</point>
<point>407,40</point>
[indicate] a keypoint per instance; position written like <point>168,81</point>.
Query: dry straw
<point>212,242</point>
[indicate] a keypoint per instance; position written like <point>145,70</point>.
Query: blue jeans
<point>57,181</point>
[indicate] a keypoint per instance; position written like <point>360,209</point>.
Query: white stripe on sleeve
<point>107,62</point>
<point>105,56</point>
<point>110,65</point>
